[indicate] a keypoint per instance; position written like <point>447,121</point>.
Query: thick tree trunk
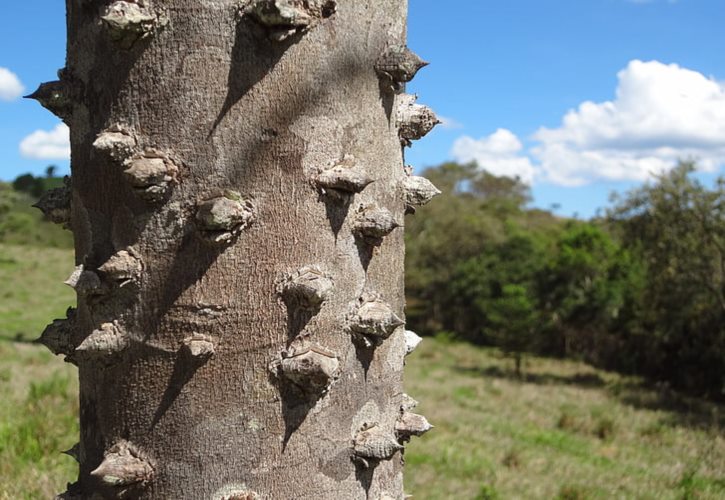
<point>237,194</point>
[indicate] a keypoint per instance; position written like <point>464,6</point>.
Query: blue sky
<point>580,97</point>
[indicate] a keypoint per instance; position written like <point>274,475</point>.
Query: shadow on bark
<point>184,370</point>
<point>365,252</point>
<point>191,261</point>
<point>336,211</point>
<point>364,354</point>
<point>297,320</point>
<point>364,475</point>
<point>296,405</point>
<point>254,55</point>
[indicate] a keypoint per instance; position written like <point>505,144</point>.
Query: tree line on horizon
<point>639,290</point>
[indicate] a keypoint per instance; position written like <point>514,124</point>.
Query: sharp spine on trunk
<point>221,219</point>
<point>373,444</point>
<point>198,347</point>
<point>58,335</point>
<point>116,142</point>
<point>308,288</point>
<point>151,174</point>
<point>84,282</point>
<point>372,320</point>
<point>411,424</point>
<point>310,367</point>
<point>124,465</point>
<point>122,267</point>
<point>413,120</point>
<point>56,97</point>
<point>373,223</point>
<point>284,18</point>
<point>398,65</point>
<point>129,21</point>
<point>56,203</point>
<point>418,191</point>
<point>344,179</point>
<point>104,343</point>
<point>412,340</point>
<point>74,452</point>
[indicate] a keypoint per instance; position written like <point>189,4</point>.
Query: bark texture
<point>237,201</point>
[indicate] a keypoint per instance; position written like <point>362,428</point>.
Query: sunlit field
<point>564,430</point>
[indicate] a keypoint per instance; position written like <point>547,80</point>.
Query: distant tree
<point>581,287</point>
<point>27,183</point>
<point>50,171</point>
<point>479,212</point>
<point>513,322</point>
<point>677,227</point>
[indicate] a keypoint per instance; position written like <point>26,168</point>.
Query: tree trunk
<point>237,194</point>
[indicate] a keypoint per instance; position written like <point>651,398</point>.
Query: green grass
<point>32,290</point>
<point>39,408</point>
<point>564,431</point>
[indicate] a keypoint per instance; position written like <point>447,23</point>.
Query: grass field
<point>564,431</point>
<point>37,390</point>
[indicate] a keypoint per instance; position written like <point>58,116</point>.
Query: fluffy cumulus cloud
<point>47,145</point>
<point>661,113</point>
<point>499,153</point>
<point>10,86</point>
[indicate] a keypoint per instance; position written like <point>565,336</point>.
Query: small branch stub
<point>151,174</point>
<point>373,444</point>
<point>198,347</point>
<point>124,466</point>
<point>344,179</point>
<point>122,268</point>
<point>115,142</point>
<point>285,18</point>
<point>398,65</point>
<point>56,97</point>
<point>56,203</point>
<point>372,224</point>
<point>412,340</point>
<point>308,288</point>
<point>311,368</point>
<point>84,282</point>
<point>104,343</point>
<point>372,320</point>
<point>58,335</point>
<point>221,219</point>
<point>129,21</point>
<point>411,424</point>
<point>414,121</point>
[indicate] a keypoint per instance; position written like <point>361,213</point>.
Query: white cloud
<point>47,145</point>
<point>661,113</point>
<point>10,86</point>
<point>498,153</point>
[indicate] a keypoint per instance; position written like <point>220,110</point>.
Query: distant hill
<point>20,223</point>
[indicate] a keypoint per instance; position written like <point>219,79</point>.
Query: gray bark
<point>237,200</point>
